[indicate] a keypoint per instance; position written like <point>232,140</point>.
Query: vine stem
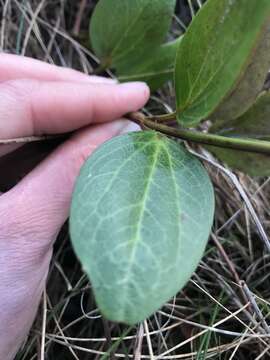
<point>157,123</point>
<point>248,145</point>
<point>166,118</point>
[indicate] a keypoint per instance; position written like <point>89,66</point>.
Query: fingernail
<point>123,126</point>
<point>130,126</point>
<point>135,87</point>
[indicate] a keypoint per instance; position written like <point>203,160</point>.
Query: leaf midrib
<point>136,238</point>
<point>177,195</point>
<point>146,74</point>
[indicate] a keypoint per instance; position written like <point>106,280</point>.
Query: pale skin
<point>37,98</point>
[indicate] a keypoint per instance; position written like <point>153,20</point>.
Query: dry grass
<point>223,311</point>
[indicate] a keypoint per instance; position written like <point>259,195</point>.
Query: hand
<point>36,98</point>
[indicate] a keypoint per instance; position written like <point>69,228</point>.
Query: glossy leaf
<point>255,124</point>
<point>156,69</point>
<point>140,219</point>
<point>215,54</point>
<point>250,83</point>
<point>123,32</point>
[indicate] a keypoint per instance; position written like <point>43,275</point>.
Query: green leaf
<point>255,124</point>
<point>123,32</point>
<point>215,55</point>
<point>140,220</point>
<point>156,69</point>
<point>250,83</point>
<point>249,163</point>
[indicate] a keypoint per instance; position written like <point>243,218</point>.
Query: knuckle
<point>14,94</point>
<point>16,101</point>
<point>17,89</point>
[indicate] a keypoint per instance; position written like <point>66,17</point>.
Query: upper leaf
<point>250,83</point>
<point>155,69</point>
<point>215,53</point>
<point>140,219</point>
<point>122,31</point>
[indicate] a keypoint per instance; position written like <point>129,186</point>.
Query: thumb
<point>39,204</point>
<point>31,215</point>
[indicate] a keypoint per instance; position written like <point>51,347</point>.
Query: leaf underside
<point>216,53</point>
<point>255,124</point>
<point>249,163</point>
<point>140,220</point>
